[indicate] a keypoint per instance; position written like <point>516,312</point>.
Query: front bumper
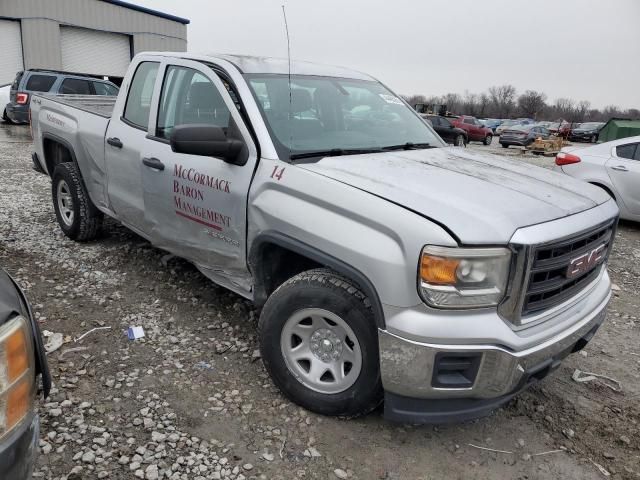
<point>18,113</point>
<point>19,450</point>
<point>409,367</point>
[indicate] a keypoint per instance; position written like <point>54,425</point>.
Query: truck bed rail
<point>98,104</point>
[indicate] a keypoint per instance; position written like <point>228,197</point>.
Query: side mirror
<point>208,141</point>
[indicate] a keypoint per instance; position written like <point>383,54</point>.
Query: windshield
<point>588,126</point>
<point>336,115</point>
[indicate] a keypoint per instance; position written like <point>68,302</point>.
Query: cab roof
<point>270,65</point>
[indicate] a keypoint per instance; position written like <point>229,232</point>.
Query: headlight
<point>17,376</point>
<point>463,277</point>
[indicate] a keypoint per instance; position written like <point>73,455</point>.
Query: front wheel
<point>488,139</point>
<point>318,341</point>
<point>505,145</point>
<point>594,138</point>
<point>77,216</point>
<point>459,141</point>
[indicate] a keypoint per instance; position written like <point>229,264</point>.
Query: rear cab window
<point>138,106</point>
<point>40,83</point>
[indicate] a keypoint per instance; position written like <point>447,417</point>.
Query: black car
<point>586,132</point>
<point>447,131</point>
<point>523,135</point>
<point>22,359</point>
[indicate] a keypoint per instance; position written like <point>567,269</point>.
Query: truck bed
<point>99,104</point>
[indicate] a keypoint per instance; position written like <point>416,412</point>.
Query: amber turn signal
<point>17,354</point>
<point>19,402</point>
<point>438,270</point>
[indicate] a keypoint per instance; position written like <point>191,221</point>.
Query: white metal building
<point>97,37</point>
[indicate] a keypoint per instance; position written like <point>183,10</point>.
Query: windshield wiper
<point>335,152</point>
<point>408,146</point>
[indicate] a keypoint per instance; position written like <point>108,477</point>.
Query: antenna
<point>286,29</point>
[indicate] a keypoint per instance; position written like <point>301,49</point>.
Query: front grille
<point>548,284</point>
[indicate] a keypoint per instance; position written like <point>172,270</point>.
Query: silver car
<point>613,166</point>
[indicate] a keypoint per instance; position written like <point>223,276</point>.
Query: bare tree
<point>582,110</point>
<point>564,108</point>
<point>531,103</point>
<point>470,103</point>
<point>483,104</point>
<point>453,101</point>
<point>413,99</point>
<point>501,102</point>
<point>503,99</point>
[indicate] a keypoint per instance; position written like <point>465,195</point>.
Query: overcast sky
<point>580,49</point>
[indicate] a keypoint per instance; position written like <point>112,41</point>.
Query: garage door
<point>10,51</point>
<point>94,52</point>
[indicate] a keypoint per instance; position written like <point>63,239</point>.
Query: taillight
<point>564,158</point>
<point>22,98</point>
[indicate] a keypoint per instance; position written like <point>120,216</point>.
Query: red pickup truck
<point>476,131</point>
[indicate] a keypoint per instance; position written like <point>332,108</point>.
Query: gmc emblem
<point>585,262</point>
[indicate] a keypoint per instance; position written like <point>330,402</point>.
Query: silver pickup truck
<point>386,264</point>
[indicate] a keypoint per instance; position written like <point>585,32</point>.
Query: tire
<point>6,118</point>
<point>593,139</point>
<point>505,145</point>
<point>459,141</point>
<point>488,139</point>
<point>77,216</point>
<point>308,304</point>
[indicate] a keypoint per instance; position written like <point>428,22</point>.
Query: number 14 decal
<point>277,172</point>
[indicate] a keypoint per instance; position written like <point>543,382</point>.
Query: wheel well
<point>605,188</point>
<point>276,257</point>
<point>55,153</point>
<point>273,266</point>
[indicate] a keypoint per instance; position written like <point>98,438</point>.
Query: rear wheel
<point>5,117</point>
<point>318,341</point>
<point>78,218</point>
<point>488,139</point>
<point>504,145</point>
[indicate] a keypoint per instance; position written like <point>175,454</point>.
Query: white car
<point>4,99</point>
<point>613,166</point>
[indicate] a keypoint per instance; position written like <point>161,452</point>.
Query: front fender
<point>377,238</point>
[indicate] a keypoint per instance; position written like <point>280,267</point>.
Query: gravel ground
<point>192,400</point>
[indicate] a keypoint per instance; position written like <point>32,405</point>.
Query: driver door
<point>195,206</point>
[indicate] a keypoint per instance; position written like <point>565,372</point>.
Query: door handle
<point>114,142</point>
<point>154,163</point>
<point>620,168</point>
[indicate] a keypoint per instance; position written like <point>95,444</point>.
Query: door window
<point>104,89</point>
<point>189,97</point>
<point>469,121</point>
<point>627,151</point>
<point>138,106</point>
<point>40,83</point>
<point>75,86</point>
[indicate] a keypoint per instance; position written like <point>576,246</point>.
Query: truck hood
<point>480,198</point>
